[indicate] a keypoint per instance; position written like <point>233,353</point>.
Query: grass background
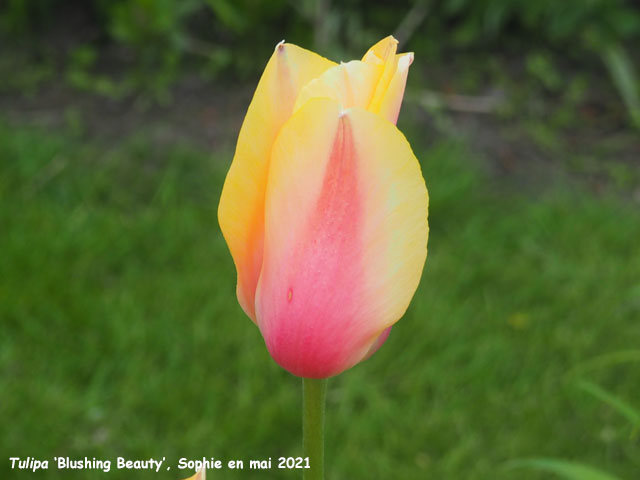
<point>120,334</point>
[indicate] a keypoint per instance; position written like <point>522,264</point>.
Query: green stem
<point>314,393</point>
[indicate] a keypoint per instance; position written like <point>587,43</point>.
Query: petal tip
<point>406,60</point>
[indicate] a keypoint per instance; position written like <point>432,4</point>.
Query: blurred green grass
<point>120,334</point>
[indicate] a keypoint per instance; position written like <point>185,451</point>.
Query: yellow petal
<point>389,105</point>
<point>241,209</point>
<point>376,83</point>
<point>351,84</point>
<point>382,53</point>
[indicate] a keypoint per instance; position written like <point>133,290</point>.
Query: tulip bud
<point>200,475</point>
<point>325,212</point>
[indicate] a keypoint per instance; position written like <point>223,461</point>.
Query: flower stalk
<point>314,393</point>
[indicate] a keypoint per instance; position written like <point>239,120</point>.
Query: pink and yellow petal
<point>389,105</point>
<point>344,190</point>
<point>351,84</point>
<point>396,228</point>
<point>201,475</point>
<point>378,343</point>
<point>376,83</point>
<point>241,209</point>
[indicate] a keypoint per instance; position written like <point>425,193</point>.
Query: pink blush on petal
<point>313,327</point>
<point>378,343</point>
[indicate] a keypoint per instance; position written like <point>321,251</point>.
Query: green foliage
<point>624,77</point>
<point>161,34</point>
<point>564,469</point>
<point>154,32</point>
<point>159,38</point>
<point>20,17</point>
<point>577,470</point>
<point>614,358</point>
<point>482,20</point>
<point>612,400</point>
<point>121,333</point>
<point>541,67</point>
<point>78,74</point>
<point>598,28</point>
<point>18,74</point>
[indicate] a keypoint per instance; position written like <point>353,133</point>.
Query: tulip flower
<point>200,475</point>
<point>324,208</point>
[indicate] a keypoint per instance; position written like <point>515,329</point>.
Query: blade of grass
<point>606,360</point>
<point>563,468</point>
<point>615,402</point>
<point>623,75</point>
